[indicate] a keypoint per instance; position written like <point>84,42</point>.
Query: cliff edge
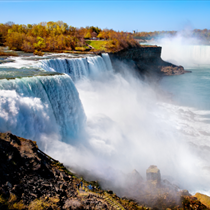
<point>147,61</point>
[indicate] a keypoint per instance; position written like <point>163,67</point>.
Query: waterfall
<point>79,67</point>
<point>107,61</point>
<point>186,55</point>
<point>42,106</point>
<point>75,67</point>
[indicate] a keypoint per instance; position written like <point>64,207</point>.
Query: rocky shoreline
<point>30,179</point>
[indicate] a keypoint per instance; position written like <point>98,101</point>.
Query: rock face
<point>153,175</point>
<point>134,179</point>
<point>146,61</point>
<point>30,179</point>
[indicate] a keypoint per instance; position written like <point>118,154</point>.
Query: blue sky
<point>118,15</point>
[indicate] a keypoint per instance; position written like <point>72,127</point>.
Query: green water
<point>12,73</point>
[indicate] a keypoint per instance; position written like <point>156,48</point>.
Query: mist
<point>184,49</point>
<point>124,123</point>
<point>128,127</point>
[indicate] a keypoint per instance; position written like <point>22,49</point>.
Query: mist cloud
<point>184,49</point>
<point>128,128</point>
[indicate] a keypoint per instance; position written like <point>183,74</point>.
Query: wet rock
<point>153,175</point>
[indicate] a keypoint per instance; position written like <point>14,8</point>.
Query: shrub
<point>39,53</point>
<point>80,48</point>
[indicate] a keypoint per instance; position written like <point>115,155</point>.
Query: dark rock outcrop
<point>146,61</point>
<point>30,179</point>
<point>153,175</point>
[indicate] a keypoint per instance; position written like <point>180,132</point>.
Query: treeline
<point>58,36</point>
<point>153,35</point>
<point>201,34</point>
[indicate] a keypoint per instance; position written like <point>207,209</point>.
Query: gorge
<point>102,121</point>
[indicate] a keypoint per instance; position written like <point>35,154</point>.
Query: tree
<point>88,35</point>
<point>40,43</point>
<point>14,40</point>
<point>9,23</point>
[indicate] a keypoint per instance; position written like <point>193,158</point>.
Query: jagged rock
<point>136,175</point>
<point>146,61</point>
<point>35,179</point>
<point>134,178</point>
<point>23,184</point>
<point>204,199</point>
<point>184,193</point>
<point>153,175</point>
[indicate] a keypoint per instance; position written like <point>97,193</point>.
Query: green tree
<point>87,35</point>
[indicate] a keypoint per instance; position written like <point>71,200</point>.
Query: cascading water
<point>75,67</point>
<point>186,55</point>
<point>107,61</point>
<point>127,127</point>
<point>185,51</point>
<point>42,105</point>
<point>78,67</point>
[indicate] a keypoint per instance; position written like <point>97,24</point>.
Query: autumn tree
<point>40,44</point>
<point>14,40</point>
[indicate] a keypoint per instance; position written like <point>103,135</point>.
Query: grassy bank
<point>98,44</point>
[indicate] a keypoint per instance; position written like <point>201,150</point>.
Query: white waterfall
<point>79,67</point>
<point>186,55</point>
<point>41,106</point>
<point>75,67</point>
<point>107,61</point>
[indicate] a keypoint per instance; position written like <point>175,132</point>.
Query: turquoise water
<point>190,89</point>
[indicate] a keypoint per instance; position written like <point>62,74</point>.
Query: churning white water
<point>125,126</point>
<point>41,106</point>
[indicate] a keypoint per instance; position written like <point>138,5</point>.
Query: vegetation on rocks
<point>203,199</point>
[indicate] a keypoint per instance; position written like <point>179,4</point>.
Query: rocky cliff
<point>30,179</point>
<point>147,61</point>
